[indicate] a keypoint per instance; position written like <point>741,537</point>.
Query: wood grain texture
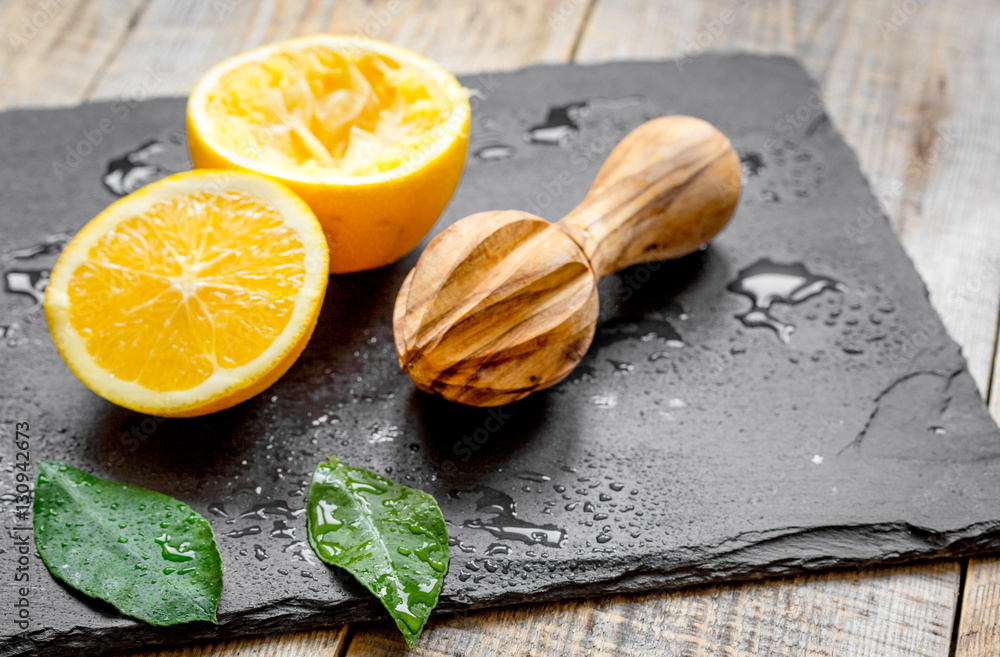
<point>500,304</point>
<point>979,628</point>
<point>181,39</point>
<point>53,51</point>
<point>906,611</point>
<point>667,189</point>
<point>504,303</point>
<point>318,643</point>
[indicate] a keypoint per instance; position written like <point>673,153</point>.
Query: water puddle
<point>30,283</point>
<point>152,160</point>
<point>506,526</point>
<point>767,282</point>
<point>752,164</point>
<point>562,123</point>
<point>48,245</point>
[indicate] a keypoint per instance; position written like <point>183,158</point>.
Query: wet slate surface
<point>690,446</point>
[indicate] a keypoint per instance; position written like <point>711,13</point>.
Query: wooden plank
<point>904,612</point>
<point>979,627</point>
<point>180,40</point>
<point>52,51</point>
<point>318,643</point>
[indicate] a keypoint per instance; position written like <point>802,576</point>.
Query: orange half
<point>190,295</point>
<point>371,135</point>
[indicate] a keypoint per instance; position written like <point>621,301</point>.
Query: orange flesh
<point>196,284</point>
<point>317,111</point>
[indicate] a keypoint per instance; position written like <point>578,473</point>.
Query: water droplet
<point>48,245</point>
<point>454,542</point>
<point>28,282</point>
<point>645,329</point>
<point>605,401</point>
<point>171,553</point>
<point>494,153</point>
<point>505,525</point>
<point>259,552</point>
<point>282,530</point>
<point>537,477</point>
<point>382,432</point>
<point>622,367</point>
<point>752,163</point>
<point>560,125</point>
<point>497,549</point>
<point>135,169</point>
<point>271,508</point>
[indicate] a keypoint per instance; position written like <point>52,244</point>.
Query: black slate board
<point>687,448</point>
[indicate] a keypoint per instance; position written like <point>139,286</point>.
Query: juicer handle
<point>667,189</point>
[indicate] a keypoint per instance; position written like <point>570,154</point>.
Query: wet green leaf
<point>149,555</point>
<point>392,538</point>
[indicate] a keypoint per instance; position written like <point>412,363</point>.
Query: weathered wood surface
<point>902,611</point>
<point>914,87</point>
<point>979,628</point>
<point>53,51</point>
<point>178,41</point>
<point>327,642</point>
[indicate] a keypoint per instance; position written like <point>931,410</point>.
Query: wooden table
<point>914,85</point>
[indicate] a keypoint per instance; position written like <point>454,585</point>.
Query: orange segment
<point>372,136</point>
<point>191,294</point>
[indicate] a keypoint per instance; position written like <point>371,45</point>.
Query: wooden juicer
<point>504,303</point>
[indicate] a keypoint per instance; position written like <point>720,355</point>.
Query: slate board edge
<point>759,557</point>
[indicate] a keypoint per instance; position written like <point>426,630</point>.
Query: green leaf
<point>391,537</point>
<point>149,555</point>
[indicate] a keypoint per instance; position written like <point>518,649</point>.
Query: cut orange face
<point>372,136</point>
<point>191,294</point>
